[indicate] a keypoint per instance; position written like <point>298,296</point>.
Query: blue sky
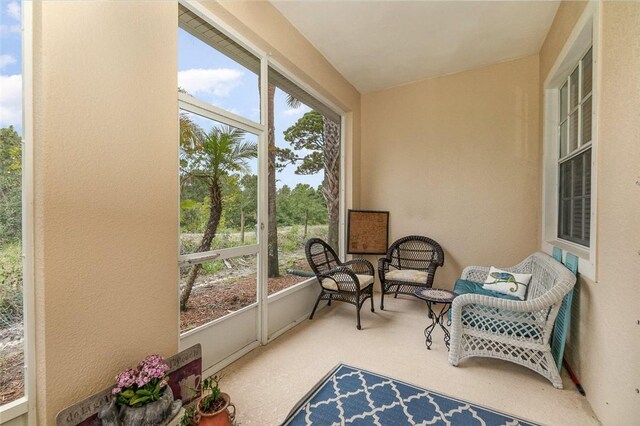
<point>10,65</point>
<point>214,78</point>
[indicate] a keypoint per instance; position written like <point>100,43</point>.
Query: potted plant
<point>213,407</point>
<point>142,396</point>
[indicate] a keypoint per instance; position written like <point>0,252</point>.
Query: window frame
<point>26,405</point>
<point>266,61</point>
<point>583,37</point>
<point>581,146</point>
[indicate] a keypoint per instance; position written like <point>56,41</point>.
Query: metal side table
<point>434,296</point>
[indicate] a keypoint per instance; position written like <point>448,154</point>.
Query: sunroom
<point>169,168</point>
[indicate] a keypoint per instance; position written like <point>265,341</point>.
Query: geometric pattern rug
<point>352,396</point>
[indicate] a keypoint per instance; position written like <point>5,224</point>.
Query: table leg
<point>437,319</point>
<point>430,327</point>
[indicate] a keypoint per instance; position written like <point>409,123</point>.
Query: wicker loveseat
<point>516,331</point>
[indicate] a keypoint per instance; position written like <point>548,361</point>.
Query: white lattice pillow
<point>507,283</point>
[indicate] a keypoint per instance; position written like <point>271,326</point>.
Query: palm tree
<point>210,157</point>
<point>331,165</point>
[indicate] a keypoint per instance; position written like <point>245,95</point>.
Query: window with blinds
<point>574,157</point>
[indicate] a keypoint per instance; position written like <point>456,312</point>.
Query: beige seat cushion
<point>364,280</point>
<point>408,275</point>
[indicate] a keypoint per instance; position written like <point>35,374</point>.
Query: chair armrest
<point>383,267</point>
<point>534,305</point>
<point>345,279</point>
<point>528,320</point>
<point>360,266</point>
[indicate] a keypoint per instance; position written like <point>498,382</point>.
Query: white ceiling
<point>379,44</point>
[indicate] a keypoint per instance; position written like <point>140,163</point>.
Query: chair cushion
<point>408,275</point>
<point>465,286</point>
<point>364,281</point>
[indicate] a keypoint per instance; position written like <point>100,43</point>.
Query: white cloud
<point>13,10</point>
<point>6,60</point>
<point>297,111</point>
<point>8,29</point>
<point>11,100</point>
<point>218,82</point>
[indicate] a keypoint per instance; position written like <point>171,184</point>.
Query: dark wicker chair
<point>350,282</point>
<point>410,263</point>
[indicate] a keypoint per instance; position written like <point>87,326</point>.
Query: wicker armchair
<point>516,331</point>
<point>350,282</point>
<point>410,263</point>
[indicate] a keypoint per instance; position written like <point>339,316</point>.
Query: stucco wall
<point>105,193</point>
<point>457,158</point>
<point>106,204</point>
<point>604,348</point>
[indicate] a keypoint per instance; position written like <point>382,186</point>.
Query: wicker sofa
<point>516,331</point>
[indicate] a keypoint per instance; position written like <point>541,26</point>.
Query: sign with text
<point>185,374</point>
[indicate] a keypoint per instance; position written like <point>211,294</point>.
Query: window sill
<point>586,259</point>
<point>14,409</point>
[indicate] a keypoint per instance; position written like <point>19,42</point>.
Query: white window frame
<point>189,103</point>
<point>583,37</point>
<point>26,405</point>
<point>581,147</point>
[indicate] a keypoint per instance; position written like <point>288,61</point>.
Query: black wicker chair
<point>350,282</point>
<point>410,263</point>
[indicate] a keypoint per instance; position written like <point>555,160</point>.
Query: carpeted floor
<point>268,382</point>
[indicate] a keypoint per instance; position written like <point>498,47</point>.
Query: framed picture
<point>367,232</point>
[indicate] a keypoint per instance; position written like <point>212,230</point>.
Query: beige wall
<point>105,193</point>
<point>604,348</point>
<point>106,180</point>
<point>457,158</point>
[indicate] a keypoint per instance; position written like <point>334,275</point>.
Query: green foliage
<point>188,416</point>
<point>291,239</point>
<point>294,203</point>
<point>305,135</point>
<point>240,195</point>
<point>150,392</point>
<point>212,267</point>
<point>10,186</point>
<point>10,285</point>
<point>211,392</point>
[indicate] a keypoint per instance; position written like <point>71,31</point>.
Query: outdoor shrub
<point>209,268</point>
<point>291,239</point>
<point>10,285</point>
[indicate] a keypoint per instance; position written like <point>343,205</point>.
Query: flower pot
<point>222,417</point>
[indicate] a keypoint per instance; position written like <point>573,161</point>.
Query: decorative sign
<point>367,232</point>
<point>185,374</point>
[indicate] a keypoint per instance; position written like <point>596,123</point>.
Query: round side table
<point>432,296</point>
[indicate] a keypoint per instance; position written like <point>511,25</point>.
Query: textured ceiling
<point>379,44</point>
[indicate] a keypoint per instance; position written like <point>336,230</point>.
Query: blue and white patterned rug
<point>351,396</point>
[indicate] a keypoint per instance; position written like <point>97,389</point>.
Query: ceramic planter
<point>222,417</point>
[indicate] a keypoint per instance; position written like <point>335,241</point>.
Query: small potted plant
<point>142,395</point>
<point>213,406</point>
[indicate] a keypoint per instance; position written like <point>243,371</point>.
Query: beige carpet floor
<point>266,383</point>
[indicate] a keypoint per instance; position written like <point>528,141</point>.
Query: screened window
<point>574,161</point>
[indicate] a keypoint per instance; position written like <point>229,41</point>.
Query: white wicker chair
<point>516,331</point>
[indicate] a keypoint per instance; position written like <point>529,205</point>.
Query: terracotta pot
<point>222,417</point>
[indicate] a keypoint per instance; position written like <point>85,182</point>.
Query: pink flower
<point>127,378</point>
<point>142,380</point>
<point>116,391</point>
